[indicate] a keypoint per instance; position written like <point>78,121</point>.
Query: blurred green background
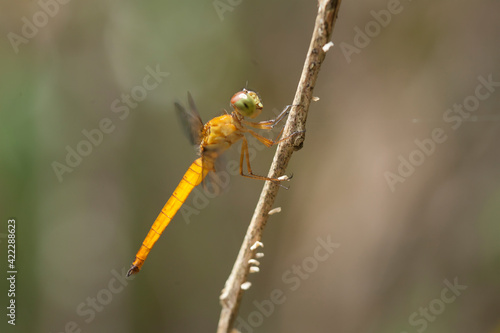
<point>77,233</point>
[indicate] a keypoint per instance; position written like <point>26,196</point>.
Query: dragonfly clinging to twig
<point>213,139</point>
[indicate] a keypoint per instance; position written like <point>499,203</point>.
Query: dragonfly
<point>212,139</point>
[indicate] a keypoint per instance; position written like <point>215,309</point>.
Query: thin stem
<point>232,293</point>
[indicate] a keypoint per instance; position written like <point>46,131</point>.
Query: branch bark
<point>232,293</point>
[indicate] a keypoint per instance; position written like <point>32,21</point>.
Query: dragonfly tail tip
<point>133,270</point>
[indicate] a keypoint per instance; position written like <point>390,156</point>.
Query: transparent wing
<point>217,181</point>
<point>190,120</point>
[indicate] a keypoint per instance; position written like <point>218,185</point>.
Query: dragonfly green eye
<point>247,103</point>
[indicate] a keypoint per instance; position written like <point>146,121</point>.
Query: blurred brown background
<point>400,248</point>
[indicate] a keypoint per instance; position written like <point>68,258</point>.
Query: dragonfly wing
<point>217,181</point>
<point>191,121</point>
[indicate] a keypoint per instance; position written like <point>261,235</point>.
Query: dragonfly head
<point>247,103</point>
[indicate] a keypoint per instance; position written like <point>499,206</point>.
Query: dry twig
<point>232,292</point>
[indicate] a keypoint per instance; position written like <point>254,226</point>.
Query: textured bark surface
<point>232,293</point>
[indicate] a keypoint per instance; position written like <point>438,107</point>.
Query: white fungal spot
<point>254,269</point>
<point>275,210</point>
<point>246,285</point>
<point>327,46</point>
<point>254,262</point>
<point>256,245</point>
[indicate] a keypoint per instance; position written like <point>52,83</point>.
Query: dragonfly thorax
<point>220,133</point>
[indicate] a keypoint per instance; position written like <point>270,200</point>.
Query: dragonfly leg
<point>270,143</point>
<point>269,124</point>
<point>245,154</point>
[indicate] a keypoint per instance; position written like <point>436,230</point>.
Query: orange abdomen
<point>193,177</point>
